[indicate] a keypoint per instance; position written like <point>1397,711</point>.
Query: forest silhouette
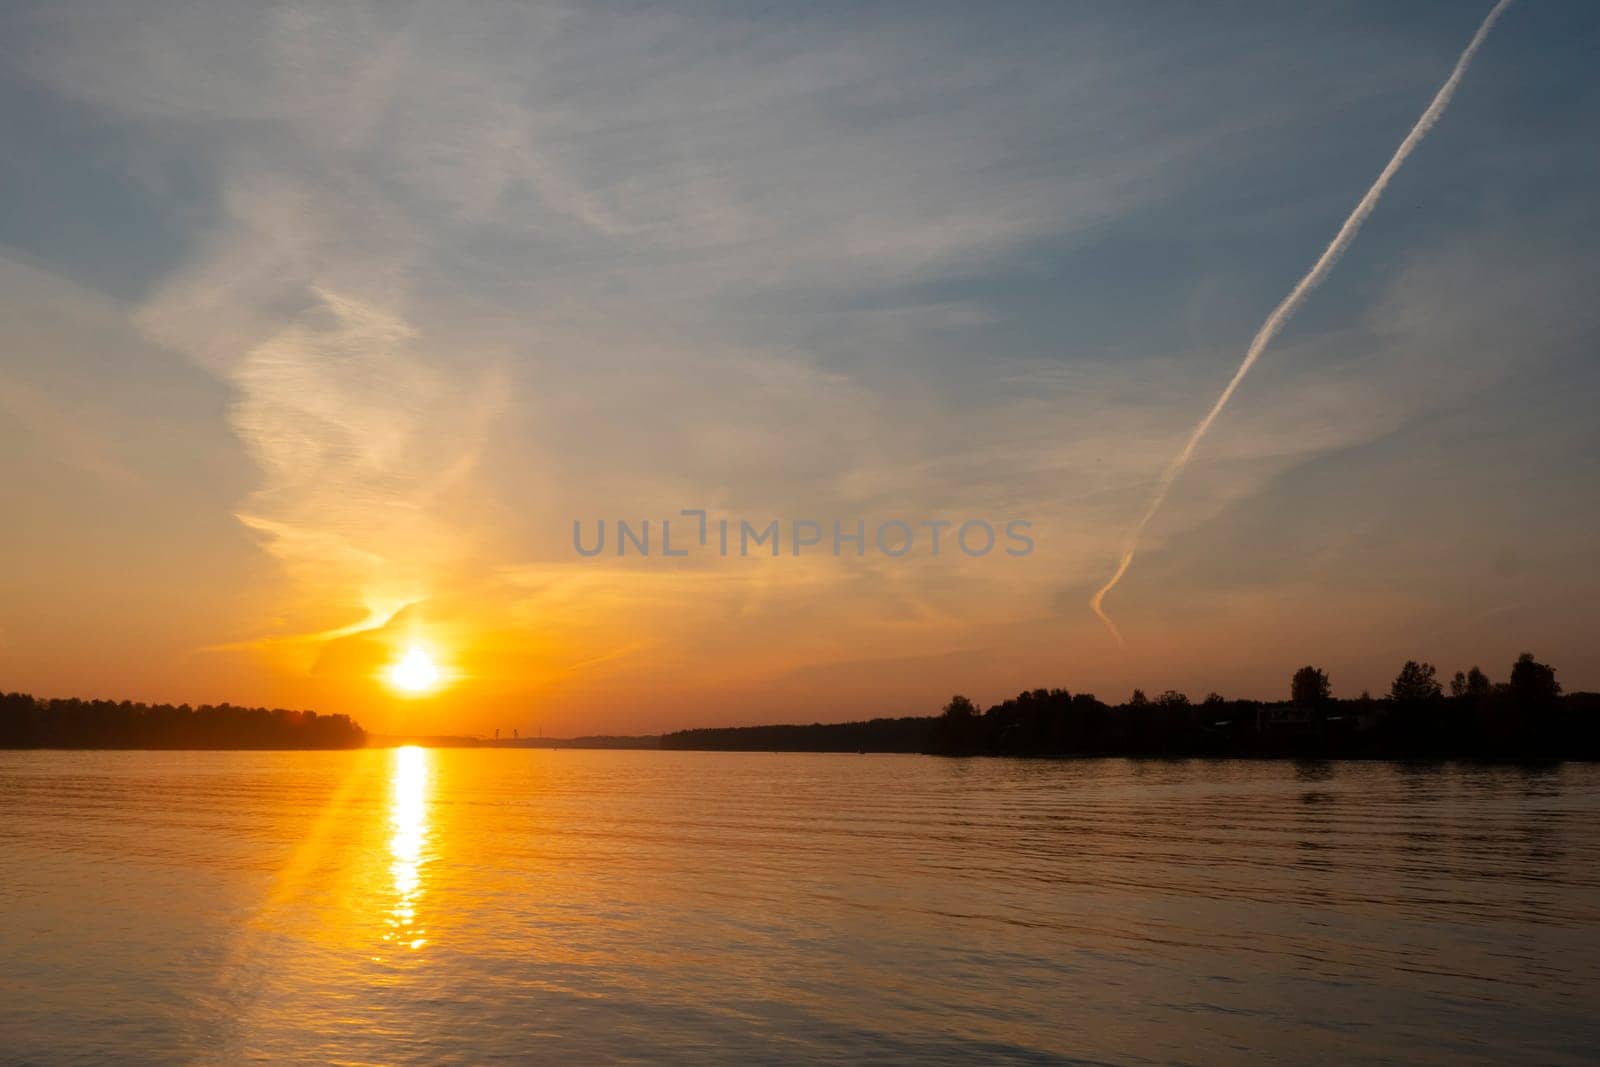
<point>1526,717</point>
<point>26,722</point>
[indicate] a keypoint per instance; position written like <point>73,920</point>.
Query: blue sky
<point>346,313</point>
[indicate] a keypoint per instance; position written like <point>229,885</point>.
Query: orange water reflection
<point>408,842</point>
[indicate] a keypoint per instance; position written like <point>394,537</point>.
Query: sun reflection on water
<point>408,819</point>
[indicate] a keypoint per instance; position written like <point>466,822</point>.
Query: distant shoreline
<point>1527,718</point>
<point>572,745</point>
<point>27,722</point>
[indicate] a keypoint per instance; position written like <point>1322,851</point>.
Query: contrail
<point>1291,303</point>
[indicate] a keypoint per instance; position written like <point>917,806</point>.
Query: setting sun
<point>415,673</point>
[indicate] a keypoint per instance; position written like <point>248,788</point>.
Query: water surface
<point>469,905</point>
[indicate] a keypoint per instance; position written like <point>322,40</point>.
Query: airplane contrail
<point>1291,303</point>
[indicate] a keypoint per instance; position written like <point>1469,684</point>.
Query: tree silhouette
<point>1417,683</point>
<point>1472,685</point>
<point>960,708</point>
<point>1172,699</point>
<point>1534,684</point>
<point>1309,688</point>
<point>1138,700</point>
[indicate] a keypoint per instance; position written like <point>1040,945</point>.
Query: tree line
<point>876,735</point>
<point>1524,717</point>
<point>27,722</point>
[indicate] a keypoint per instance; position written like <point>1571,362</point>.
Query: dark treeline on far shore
<point>1471,717</point>
<point>29,723</point>
<point>877,735</point>
<point>1525,717</point>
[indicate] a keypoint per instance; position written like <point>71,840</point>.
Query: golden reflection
<point>408,819</point>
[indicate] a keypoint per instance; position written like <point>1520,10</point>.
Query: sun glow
<point>415,672</point>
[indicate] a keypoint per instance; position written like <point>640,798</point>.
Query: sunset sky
<point>320,325</point>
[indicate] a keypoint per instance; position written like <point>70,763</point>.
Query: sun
<point>414,673</point>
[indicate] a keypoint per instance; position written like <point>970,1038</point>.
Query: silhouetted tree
<point>1474,684</point>
<point>1172,699</point>
<point>960,708</point>
<point>1417,683</point>
<point>1213,699</point>
<point>1533,684</point>
<point>1138,700</point>
<point>1309,688</point>
<point>956,730</point>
